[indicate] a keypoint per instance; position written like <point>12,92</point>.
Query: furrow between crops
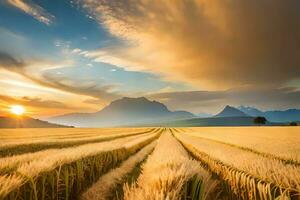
<point>9,164</point>
<point>264,154</point>
<point>248,178</point>
<point>66,174</point>
<point>102,189</point>
<point>165,173</point>
<point>72,135</point>
<point>130,179</point>
<point>257,139</point>
<point>33,147</point>
<point>35,133</point>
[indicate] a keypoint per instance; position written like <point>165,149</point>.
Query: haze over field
<point>60,56</point>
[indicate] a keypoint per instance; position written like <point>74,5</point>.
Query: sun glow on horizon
<point>17,109</point>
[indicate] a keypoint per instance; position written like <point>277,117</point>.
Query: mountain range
<point>123,112</point>
<point>275,115</point>
<point>143,112</point>
<point>280,116</point>
<point>215,121</point>
<point>229,116</point>
<point>230,111</point>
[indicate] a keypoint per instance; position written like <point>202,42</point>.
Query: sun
<point>17,109</point>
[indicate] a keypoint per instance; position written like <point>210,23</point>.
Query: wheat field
<point>150,163</point>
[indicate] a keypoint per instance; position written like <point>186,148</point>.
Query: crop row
<point>257,139</point>
<point>103,188</point>
<point>66,174</point>
<point>40,133</point>
<point>288,161</point>
<point>26,147</point>
<point>72,134</point>
<point>166,171</point>
<point>10,164</point>
<point>272,170</point>
<point>244,182</point>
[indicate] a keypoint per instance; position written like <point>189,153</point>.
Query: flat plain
<point>150,163</point>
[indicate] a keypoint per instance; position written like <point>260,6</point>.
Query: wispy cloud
<point>10,63</point>
<point>57,81</point>
<point>91,89</point>
<point>33,9</point>
<point>211,44</point>
<point>35,102</point>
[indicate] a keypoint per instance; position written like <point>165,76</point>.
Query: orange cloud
<point>211,44</point>
<point>63,94</point>
<point>18,66</point>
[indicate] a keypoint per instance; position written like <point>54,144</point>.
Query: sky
<point>63,56</point>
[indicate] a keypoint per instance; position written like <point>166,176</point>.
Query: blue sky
<point>63,56</point>
<point>71,28</point>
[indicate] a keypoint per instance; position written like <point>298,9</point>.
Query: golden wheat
<point>8,164</point>
<point>32,133</point>
<point>261,139</point>
<point>238,165</point>
<point>165,172</point>
<point>102,188</point>
<point>71,136</point>
<point>251,163</point>
<point>30,170</point>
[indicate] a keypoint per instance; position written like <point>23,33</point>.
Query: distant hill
<point>125,111</point>
<point>251,111</point>
<point>204,115</point>
<point>229,116</point>
<point>215,121</point>
<point>230,111</point>
<point>275,115</point>
<point>26,122</point>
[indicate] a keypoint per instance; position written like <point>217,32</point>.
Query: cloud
<point>35,102</point>
<point>213,101</point>
<point>57,81</point>
<point>95,101</point>
<point>33,9</point>
<point>76,51</point>
<point>210,44</point>
<point>81,52</point>
<point>82,88</point>
<point>39,102</point>
<point>11,63</point>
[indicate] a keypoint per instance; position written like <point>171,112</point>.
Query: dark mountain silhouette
<point>123,112</point>
<point>275,115</point>
<point>26,122</point>
<point>230,111</point>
